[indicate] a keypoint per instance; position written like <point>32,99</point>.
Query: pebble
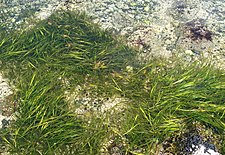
<point>189,52</point>
<point>202,150</point>
<point>4,121</point>
<point>5,89</point>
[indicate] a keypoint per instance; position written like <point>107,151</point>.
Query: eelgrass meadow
<point>163,101</point>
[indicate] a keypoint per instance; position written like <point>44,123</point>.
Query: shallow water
<point>155,27</point>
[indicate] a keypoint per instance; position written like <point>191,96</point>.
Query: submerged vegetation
<point>162,100</point>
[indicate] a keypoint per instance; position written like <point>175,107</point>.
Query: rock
<point>4,121</point>
<point>5,89</point>
<point>189,52</point>
<point>202,150</point>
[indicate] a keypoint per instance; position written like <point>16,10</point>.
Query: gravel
<point>160,25</point>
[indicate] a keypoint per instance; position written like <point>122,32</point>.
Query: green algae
<point>161,99</point>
